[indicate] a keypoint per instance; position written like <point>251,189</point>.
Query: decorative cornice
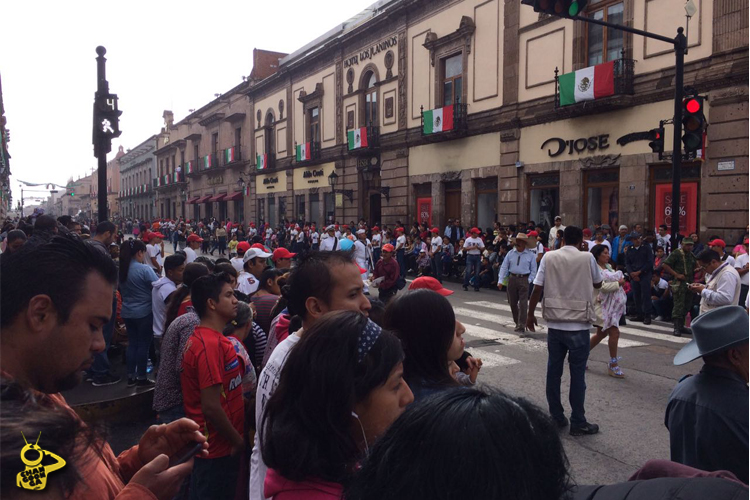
<point>212,118</point>
<point>600,161</point>
<point>464,32</point>
<point>304,98</point>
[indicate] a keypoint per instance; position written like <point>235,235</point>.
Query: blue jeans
<point>437,266</point>
<point>401,262</point>
<point>576,345</point>
<point>472,262</point>
<point>100,368</point>
<point>140,334</point>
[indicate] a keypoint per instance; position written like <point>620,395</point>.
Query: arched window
<point>370,99</point>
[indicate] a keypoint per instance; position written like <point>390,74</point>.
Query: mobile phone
<point>186,453</point>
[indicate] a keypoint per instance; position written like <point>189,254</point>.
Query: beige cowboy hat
<point>529,240</point>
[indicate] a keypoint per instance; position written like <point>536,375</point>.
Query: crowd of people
<point>284,377</point>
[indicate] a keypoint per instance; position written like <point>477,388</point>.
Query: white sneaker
<point>658,318</point>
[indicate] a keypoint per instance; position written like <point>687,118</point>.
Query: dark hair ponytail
<point>128,249</point>
<point>192,272</point>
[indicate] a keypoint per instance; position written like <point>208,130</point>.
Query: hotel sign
<point>370,52</point>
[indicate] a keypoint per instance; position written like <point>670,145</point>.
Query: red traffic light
<point>657,136</point>
<point>693,106</point>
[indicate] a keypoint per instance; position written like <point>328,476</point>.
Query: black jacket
<point>640,259</point>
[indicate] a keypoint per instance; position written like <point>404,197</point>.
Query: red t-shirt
<point>210,359</point>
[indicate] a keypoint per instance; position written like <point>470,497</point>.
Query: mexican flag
<point>438,120</point>
<point>189,167</point>
<point>207,163</point>
<point>262,161</point>
<point>303,151</point>
<point>357,138</point>
<point>229,155</point>
<point>587,84</point>
<point>247,190</point>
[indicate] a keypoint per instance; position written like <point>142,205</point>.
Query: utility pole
<point>680,44</point>
<point>106,127</point>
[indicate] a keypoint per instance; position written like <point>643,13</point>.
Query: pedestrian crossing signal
<point>560,8</point>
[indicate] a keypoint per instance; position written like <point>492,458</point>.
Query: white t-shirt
<point>596,277</point>
<point>237,264</point>
<point>314,237</point>
<point>740,262</point>
<point>662,284</point>
<point>247,283</point>
<point>158,305</point>
<point>267,382</point>
<point>604,242</point>
<point>360,253</point>
<point>337,234</point>
<point>377,240</point>
<point>301,237</point>
<point>155,252</point>
<point>252,232</point>
<point>191,255</point>
<point>327,244</point>
<point>730,259</point>
<point>400,242</point>
<point>474,240</point>
<point>436,244</point>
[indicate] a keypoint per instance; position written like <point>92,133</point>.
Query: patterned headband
<point>367,339</point>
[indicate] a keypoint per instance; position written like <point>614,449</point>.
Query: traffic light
<point>559,8</point>
<point>693,124</point>
<point>657,139</point>
<point>108,116</point>
<point>72,193</point>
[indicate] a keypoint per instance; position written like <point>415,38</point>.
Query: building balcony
<point>448,122</point>
<point>602,87</point>
<point>230,156</point>
<point>363,141</point>
<point>265,161</point>
<point>307,152</point>
<point>169,180</point>
<point>208,162</point>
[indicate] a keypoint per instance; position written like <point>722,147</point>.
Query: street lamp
<point>333,178</point>
<point>368,174</point>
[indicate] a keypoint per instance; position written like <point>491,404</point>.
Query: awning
<point>236,196</point>
<point>194,200</point>
<point>203,199</point>
<point>218,197</point>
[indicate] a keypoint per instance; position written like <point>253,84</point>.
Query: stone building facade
<point>137,174</point>
<point>352,103</point>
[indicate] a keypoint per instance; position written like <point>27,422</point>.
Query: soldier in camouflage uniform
<point>681,265</point>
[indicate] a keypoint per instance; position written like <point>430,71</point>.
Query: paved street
<point>629,411</point>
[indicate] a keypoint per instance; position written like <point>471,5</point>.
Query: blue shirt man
<point>519,268</point>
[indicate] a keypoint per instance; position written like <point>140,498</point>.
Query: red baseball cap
<point>435,230</point>
<point>243,246</point>
<point>194,237</point>
<point>375,228</point>
<point>388,247</point>
<point>430,283</point>
<point>587,232</point>
<point>282,253</point>
<point>717,242</point>
<point>475,230</point>
<point>400,229</point>
<point>259,246</point>
<point>533,233</point>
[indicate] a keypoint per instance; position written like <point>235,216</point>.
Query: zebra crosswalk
<point>493,322</point>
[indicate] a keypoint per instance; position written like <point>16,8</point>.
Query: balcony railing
<point>231,155</point>
<point>444,122</point>
<point>309,151</point>
<point>623,75</point>
<point>265,161</point>
<point>208,162</point>
<point>363,140</point>
<point>169,179</point>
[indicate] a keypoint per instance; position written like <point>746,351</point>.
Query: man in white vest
<point>722,286</point>
<point>568,278</point>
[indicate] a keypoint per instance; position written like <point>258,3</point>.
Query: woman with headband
<point>341,388</point>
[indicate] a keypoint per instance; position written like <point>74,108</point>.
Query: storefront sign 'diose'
<point>558,145</point>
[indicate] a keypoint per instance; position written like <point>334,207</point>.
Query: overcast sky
<point>160,55</point>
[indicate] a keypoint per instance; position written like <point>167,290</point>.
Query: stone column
<point>438,204</point>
